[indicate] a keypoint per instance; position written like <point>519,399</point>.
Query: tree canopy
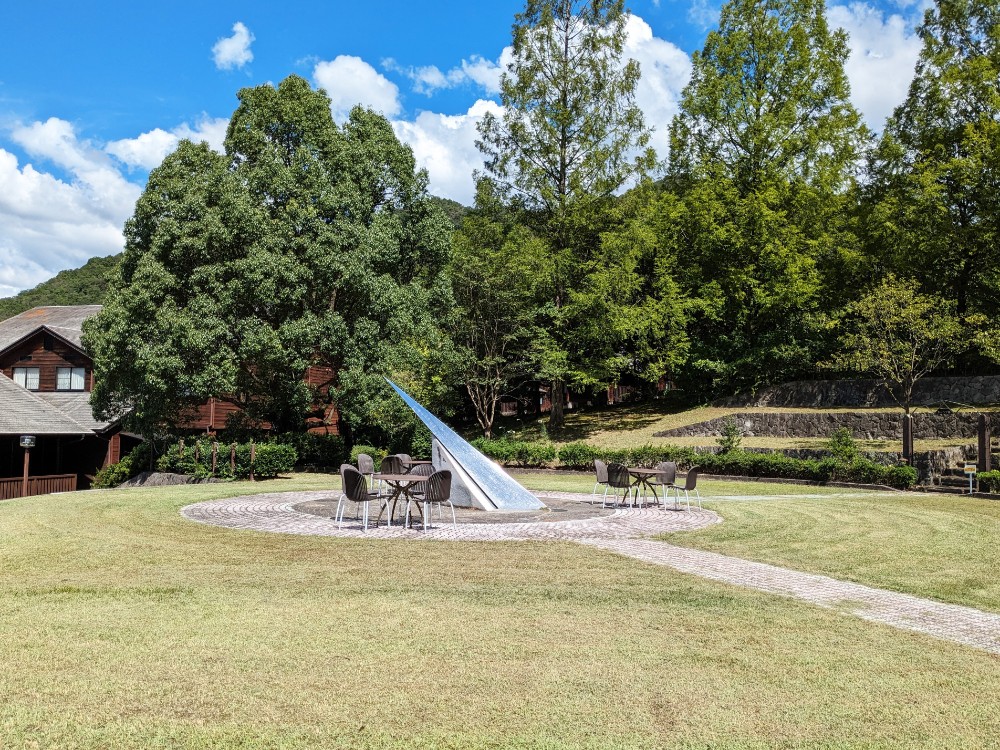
<point>306,243</point>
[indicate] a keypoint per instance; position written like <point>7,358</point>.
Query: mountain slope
<point>86,285</point>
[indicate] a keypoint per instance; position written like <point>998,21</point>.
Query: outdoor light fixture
<point>27,441</point>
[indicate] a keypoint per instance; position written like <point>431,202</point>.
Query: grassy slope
<point>633,426</point>
<point>125,625</point>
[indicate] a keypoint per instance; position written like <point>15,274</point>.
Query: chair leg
<point>698,495</point>
<point>365,514</point>
<point>454,522</point>
<point>427,513</point>
<point>339,516</point>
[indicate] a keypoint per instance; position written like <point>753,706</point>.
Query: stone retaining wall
<point>873,425</point>
<point>981,390</point>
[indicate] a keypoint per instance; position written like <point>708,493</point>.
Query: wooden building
<point>45,381</point>
<point>46,377</point>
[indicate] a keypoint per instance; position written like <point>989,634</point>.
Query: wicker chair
<point>665,479</point>
<point>601,470</point>
<point>366,465</point>
<point>618,479</point>
<point>690,485</point>
<point>437,491</point>
<point>355,491</point>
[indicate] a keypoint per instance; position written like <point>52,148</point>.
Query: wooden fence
<point>13,487</point>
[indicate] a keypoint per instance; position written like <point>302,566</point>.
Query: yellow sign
<point>970,469</point>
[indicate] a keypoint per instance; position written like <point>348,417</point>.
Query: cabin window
<point>26,377</point>
<point>70,378</point>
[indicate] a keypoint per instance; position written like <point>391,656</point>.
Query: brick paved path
<point>626,532</point>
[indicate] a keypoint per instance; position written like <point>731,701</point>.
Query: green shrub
<point>325,451</point>
<point>195,459</point>
<point>731,437</point>
<point>133,462</point>
<point>843,446</point>
<point>377,454</point>
<point>516,452</point>
<point>989,481</point>
<point>578,456</point>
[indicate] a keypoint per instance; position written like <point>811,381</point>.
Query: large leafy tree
<point>935,208</point>
<point>306,243</point>
<point>900,335</point>
<point>763,155</point>
<point>566,141</point>
<point>495,276</point>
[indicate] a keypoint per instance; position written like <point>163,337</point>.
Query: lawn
<point>944,547</point>
<point>126,626</point>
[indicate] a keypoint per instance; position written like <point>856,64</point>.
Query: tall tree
<point>305,244</point>
<point>764,154</point>
<point>935,203</point>
<point>565,143</point>
<point>495,270</point>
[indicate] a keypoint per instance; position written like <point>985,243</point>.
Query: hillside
<point>78,286</point>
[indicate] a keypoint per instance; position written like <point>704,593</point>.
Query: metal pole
<point>27,461</point>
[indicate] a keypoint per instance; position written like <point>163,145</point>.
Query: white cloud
<point>884,51</point>
<point>666,70</point>
<point>234,51</point>
<point>703,13</point>
<point>349,81</point>
<point>48,224</point>
<point>147,150</point>
<point>445,145</point>
<point>478,70</point>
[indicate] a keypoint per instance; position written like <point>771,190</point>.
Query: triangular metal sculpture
<point>476,480</point>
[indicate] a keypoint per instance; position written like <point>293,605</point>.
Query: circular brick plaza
<point>570,517</point>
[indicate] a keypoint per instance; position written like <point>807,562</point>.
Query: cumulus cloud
<point>48,224</point>
<point>884,51</point>
<point>148,149</point>
<point>666,70</point>
<point>476,70</point>
<point>234,51</point>
<point>349,80</point>
<point>445,145</point>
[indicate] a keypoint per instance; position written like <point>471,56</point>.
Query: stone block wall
<point>982,390</point>
<point>864,425</point>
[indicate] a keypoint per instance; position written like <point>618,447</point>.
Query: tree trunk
<point>558,397</point>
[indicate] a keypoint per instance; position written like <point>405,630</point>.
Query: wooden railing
<point>14,487</point>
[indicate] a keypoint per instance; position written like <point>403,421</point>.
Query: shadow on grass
<point>583,424</point>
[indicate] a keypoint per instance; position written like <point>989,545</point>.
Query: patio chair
<point>366,465</point>
<point>618,479</point>
<point>665,479</point>
<point>690,485</point>
<point>437,490</point>
<point>355,491</point>
<point>601,470</point>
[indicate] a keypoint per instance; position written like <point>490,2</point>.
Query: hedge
<point>195,459</point>
<point>517,452</point>
<point>989,481</point>
<point>733,463</point>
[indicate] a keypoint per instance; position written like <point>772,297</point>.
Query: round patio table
<point>642,478</point>
<point>400,484</point>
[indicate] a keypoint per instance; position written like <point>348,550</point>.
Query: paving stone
<point>627,532</point>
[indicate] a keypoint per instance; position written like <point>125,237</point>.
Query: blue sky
<point>93,95</point>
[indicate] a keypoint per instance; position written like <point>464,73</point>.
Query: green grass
<point>124,625</point>
<point>936,546</point>
<point>635,426</point>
